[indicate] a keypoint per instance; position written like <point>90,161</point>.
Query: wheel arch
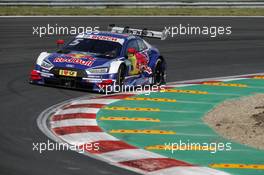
<point>154,62</point>
<point>114,66</point>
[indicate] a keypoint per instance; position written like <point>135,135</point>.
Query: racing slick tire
<point>120,77</point>
<point>159,74</point>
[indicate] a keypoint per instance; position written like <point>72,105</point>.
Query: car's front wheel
<point>159,74</point>
<point>120,76</point>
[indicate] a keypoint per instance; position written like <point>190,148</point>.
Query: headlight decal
<point>46,64</point>
<point>97,70</point>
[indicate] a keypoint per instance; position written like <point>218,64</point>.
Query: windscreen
<point>101,48</point>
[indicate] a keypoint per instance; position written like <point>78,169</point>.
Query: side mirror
<point>131,50</point>
<point>60,42</point>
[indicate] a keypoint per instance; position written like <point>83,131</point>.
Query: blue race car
<point>95,61</point>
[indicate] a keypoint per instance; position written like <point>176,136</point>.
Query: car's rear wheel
<point>159,76</point>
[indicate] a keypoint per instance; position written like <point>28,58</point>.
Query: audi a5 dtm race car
<point>119,57</point>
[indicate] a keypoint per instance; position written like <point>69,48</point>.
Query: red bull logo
<point>81,59</point>
<point>80,56</point>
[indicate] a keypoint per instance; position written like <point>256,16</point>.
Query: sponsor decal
<point>105,38</point>
<point>68,73</point>
<point>76,59</point>
<point>80,56</point>
<point>73,60</point>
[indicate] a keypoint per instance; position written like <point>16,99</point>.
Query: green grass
<point>131,11</point>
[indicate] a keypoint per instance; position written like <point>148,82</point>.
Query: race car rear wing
<point>139,32</point>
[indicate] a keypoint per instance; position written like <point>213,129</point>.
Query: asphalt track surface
<point>188,58</point>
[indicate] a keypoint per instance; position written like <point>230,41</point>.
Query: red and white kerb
<point>75,123</point>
